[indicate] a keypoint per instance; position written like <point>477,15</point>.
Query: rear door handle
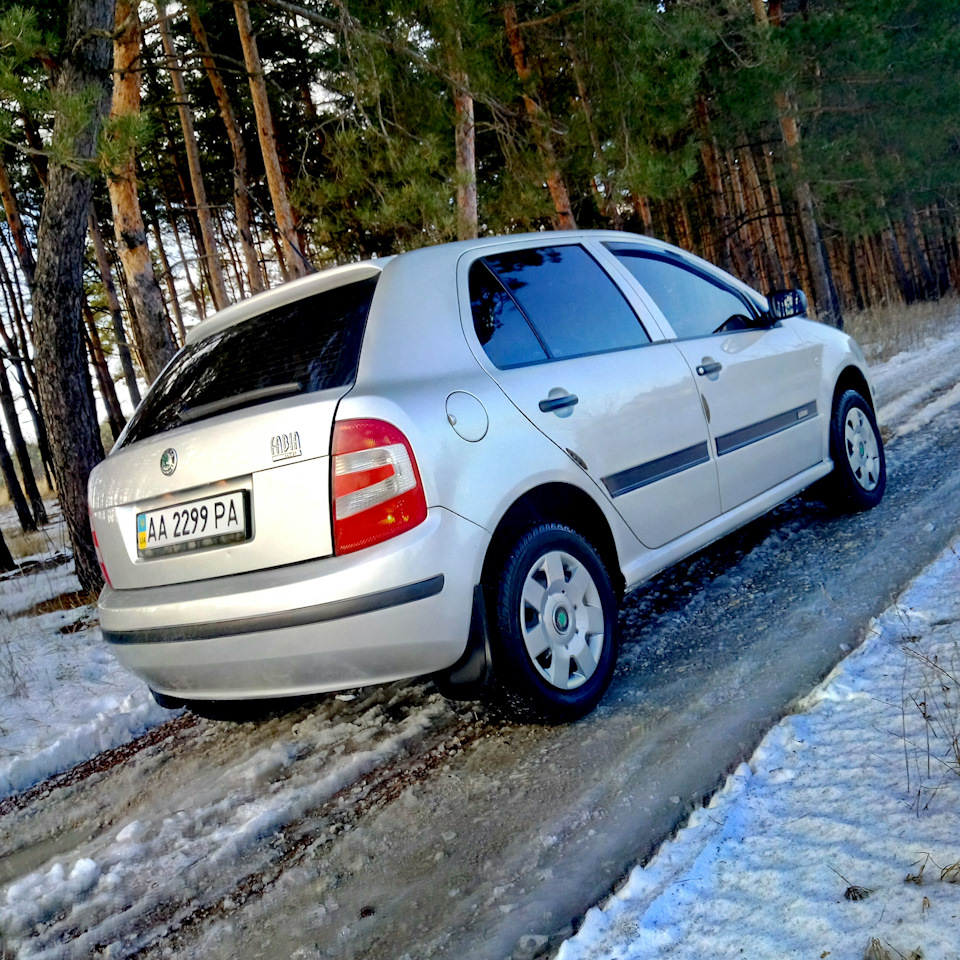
<point>705,369</point>
<point>552,404</point>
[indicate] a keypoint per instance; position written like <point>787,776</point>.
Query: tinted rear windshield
<point>309,345</point>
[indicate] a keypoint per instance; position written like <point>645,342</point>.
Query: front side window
<point>308,345</point>
<point>572,307</point>
<point>694,305</point>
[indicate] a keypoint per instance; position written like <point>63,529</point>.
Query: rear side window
<point>502,329</point>
<point>309,345</point>
<point>572,305</point>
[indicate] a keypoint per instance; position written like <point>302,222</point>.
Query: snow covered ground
<point>839,837</point>
<point>63,697</point>
<point>805,852</point>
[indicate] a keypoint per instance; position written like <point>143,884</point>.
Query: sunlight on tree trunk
<point>153,340</point>
<point>295,264</point>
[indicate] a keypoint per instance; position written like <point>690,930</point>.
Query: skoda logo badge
<point>168,462</point>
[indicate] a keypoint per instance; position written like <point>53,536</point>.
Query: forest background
<point>159,161</point>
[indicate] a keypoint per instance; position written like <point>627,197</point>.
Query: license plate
<point>190,526</point>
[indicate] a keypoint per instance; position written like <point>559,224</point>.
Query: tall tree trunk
<point>539,122</point>
<point>764,216</point>
<point>465,142</point>
<point>241,184</point>
<point>6,557</point>
<point>12,210</point>
<point>113,302</point>
<point>168,281</point>
<point>710,157</point>
<point>30,487</point>
<point>15,491</point>
<point>641,206</point>
<point>218,287</point>
<point>26,376</point>
<point>825,296</point>
<point>152,332</point>
<point>108,392</point>
<point>781,235</point>
<point>61,362</point>
<point>904,280</point>
<point>912,232</point>
<point>296,265</point>
<point>17,288</point>
<point>195,296</point>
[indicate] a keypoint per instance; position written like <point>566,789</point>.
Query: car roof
<point>436,257</point>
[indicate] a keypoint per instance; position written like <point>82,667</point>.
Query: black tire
<point>859,475</point>
<point>573,616</point>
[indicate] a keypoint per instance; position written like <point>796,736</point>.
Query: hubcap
<point>561,620</point>
<point>862,449</point>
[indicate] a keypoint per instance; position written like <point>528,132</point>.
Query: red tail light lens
<point>375,485</point>
<point>96,547</point>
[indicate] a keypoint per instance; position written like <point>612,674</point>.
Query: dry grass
<point>51,538</point>
<point>45,491</point>
<point>885,331</point>
<point>23,545</point>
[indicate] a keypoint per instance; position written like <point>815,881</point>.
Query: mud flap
<point>472,674</point>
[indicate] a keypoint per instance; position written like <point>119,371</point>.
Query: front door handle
<point>705,369</point>
<point>552,404</point>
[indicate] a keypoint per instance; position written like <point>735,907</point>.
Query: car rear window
<point>309,345</point>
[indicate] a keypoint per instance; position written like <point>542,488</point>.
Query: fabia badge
<point>168,462</point>
<point>285,446</point>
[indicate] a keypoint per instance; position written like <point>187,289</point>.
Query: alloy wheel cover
<point>561,620</point>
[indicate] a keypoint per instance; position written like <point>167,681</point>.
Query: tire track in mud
<point>101,763</point>
<point>385,742</point>
<point>307,836</point>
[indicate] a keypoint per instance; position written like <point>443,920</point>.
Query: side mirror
<point>786,303</point>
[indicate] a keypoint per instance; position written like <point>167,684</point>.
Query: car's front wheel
<point>554,619</point>
<point>859,475</point>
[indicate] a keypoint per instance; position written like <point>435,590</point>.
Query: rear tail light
<point>375,485</point>
<point>96,547</point>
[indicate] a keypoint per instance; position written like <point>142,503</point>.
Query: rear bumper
<point>398,609</point>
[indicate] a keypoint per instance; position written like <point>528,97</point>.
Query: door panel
<point>764,421</point>
<point>759,383</point>
<point>639,427</point>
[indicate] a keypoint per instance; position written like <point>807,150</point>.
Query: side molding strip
<point>643,474</point>
<point>765,428</point>
<point>318,613</point>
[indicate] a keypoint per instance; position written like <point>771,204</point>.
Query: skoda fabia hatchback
<point>454,462</point>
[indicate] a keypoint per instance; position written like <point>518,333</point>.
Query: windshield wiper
<point>189,414</point>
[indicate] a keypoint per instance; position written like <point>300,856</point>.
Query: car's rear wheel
<point>859,475</point>
<point>554,614</point>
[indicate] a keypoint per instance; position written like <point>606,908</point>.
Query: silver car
<point>454,462</point>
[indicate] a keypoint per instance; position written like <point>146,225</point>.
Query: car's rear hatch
<point>224,468</point>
